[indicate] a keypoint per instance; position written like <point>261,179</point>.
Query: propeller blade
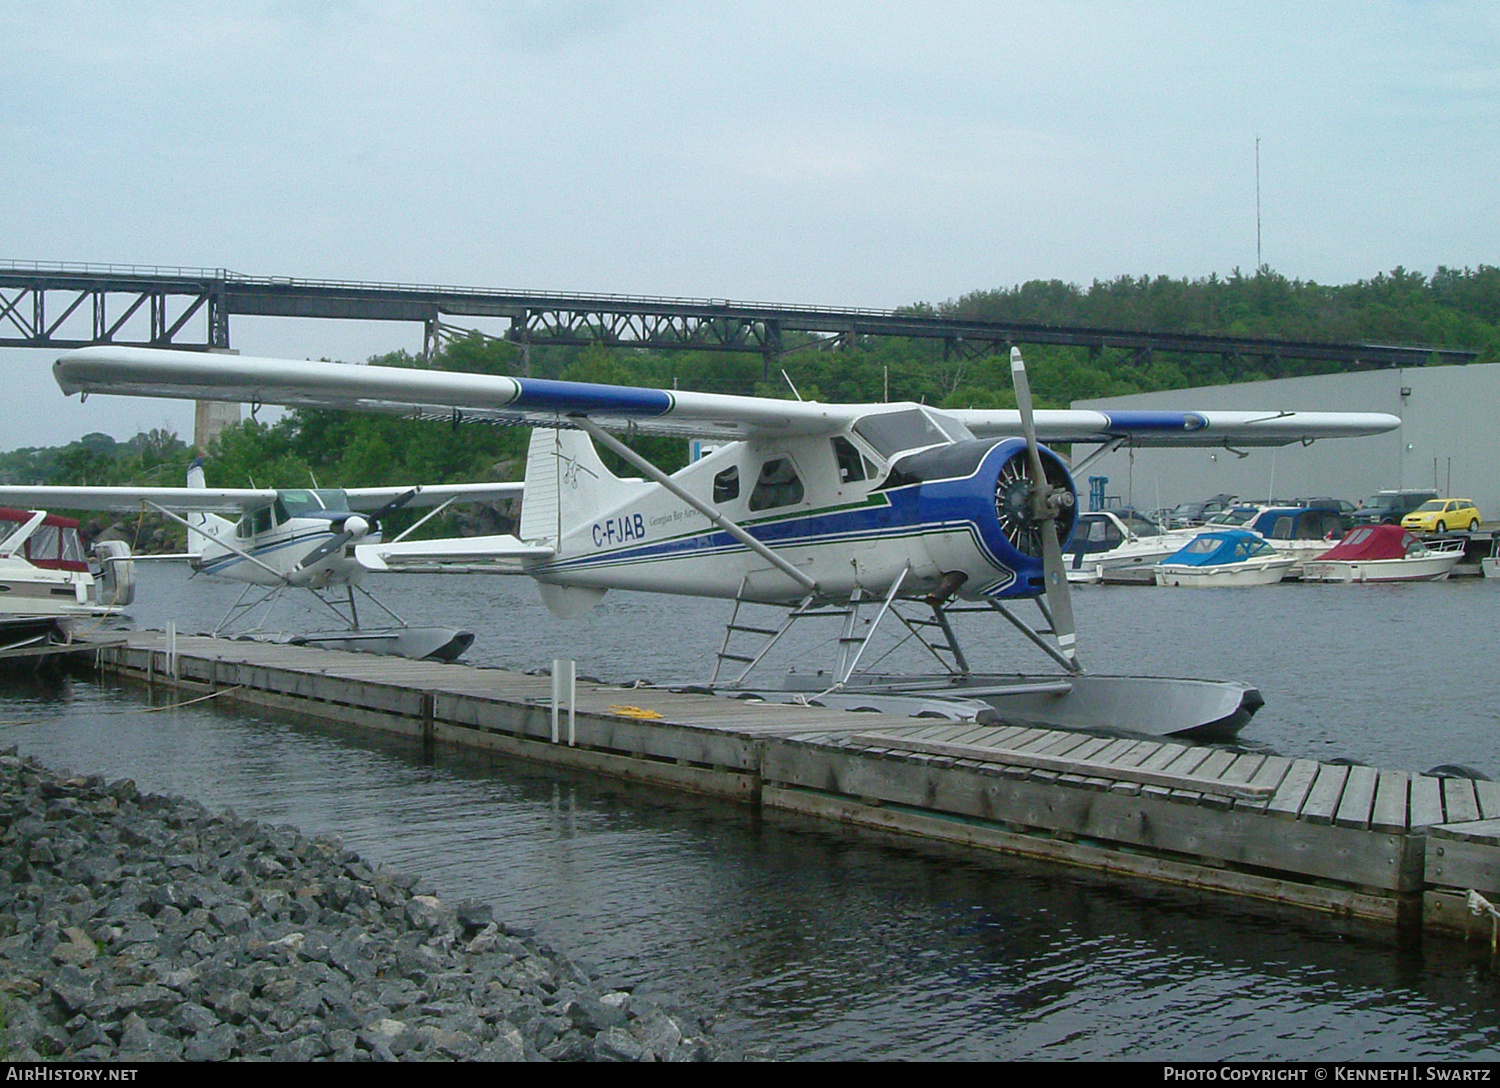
<point>324,550</point>
<point>1028,419</point>
<point>1044,510</point>
<point>395,504</point>
<point>1059,597</point>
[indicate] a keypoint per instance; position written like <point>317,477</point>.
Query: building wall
<point>1449,432</point>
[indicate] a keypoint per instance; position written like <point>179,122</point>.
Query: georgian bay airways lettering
<point>619,530</point>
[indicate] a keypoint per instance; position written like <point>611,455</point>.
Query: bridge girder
<point>44,306</point>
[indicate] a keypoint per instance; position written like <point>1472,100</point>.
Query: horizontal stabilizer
<point>373,498</point>
<point>497,554</point>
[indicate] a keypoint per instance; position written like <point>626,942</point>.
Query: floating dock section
<point>1392,847</point>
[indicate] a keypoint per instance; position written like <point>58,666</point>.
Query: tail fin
<point>198,521</point>
<point>566,484</point>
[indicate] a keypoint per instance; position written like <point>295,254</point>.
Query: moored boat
<point>44,572</point>
<point>1224,557</point>
<point>1302,532</point>
<point>1384,553</point>
<point>1104,542</point>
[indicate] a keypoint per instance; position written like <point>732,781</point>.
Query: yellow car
<point>1440,515</point>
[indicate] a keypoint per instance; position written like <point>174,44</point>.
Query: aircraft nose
<point>356,527</point>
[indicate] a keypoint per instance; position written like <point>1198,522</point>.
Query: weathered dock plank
<point>1358,799</point>
<point>1323,798</point>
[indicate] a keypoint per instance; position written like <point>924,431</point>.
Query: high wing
<point>124,500</point>
<point>1159,428</point>
<point>435,394</point>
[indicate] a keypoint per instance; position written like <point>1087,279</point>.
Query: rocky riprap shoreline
<point>138,927</point>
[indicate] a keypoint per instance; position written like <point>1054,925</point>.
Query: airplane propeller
<point>351,528</point>
<point>1032,512</point>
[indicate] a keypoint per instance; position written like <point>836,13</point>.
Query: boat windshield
<point>1140,526</point>
<point>1235,517</point>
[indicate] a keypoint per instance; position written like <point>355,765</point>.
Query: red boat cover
<point>1373,542</point>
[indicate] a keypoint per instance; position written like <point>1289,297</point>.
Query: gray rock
<point>142,928</point>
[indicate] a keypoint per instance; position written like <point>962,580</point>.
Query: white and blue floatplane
<point>870,513</point>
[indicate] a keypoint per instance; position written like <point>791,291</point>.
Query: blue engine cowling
<point>979,492</point>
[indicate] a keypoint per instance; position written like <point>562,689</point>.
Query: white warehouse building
<point>1448,439</point>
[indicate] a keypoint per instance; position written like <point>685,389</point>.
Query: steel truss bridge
<point>74,305</point>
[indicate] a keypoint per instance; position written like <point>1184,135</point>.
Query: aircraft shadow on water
<point>891,513</point>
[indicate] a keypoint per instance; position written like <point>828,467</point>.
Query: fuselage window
<point>851,464</point>
<point>778,485</point>
<point>260,521</point>
<point>727,484</point>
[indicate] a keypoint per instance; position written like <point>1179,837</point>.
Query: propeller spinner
<point>351,529</point>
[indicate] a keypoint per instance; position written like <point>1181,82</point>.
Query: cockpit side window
<point>727,484</point>
<point>778,485</point>
<point>851,464</point>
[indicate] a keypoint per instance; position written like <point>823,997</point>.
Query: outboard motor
<point>114,585</point>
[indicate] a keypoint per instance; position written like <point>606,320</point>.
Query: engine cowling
<point>980,493</point>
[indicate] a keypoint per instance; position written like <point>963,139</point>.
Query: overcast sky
<point>846,154</point>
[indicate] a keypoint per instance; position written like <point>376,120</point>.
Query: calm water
<point>828,945</point>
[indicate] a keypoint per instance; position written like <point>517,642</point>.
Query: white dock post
<point>172,649</point>
<point>564,672</point>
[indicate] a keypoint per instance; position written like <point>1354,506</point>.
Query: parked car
<point>1188,514</point>
<point>1440,515</point>
<point>1389,507</point>
<point>1342,507</point>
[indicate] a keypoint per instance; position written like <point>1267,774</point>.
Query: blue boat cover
<point>1219,547</point>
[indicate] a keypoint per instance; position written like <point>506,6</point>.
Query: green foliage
<point>149,459</point>
<point>1452,307</point>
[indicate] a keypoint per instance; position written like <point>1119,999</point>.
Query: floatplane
<point>875,513</point>
<point>287,539</point>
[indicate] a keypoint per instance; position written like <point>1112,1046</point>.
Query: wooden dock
<point>1393,847</point>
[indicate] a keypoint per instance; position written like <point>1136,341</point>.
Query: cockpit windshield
<point>303,502</point>
<point>891,433</point>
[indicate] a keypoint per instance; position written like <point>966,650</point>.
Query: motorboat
<point>1106,543</point>
<point>1384,553</point>
<point>46,575</point>
<point>1224,557</point>
<point>1302,532</point>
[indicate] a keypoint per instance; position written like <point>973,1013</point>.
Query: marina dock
<point>1402,849</point>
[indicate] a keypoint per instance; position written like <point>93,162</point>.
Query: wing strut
<point>598,434</point>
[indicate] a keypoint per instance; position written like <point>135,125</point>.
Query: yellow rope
<point>137,710</point>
